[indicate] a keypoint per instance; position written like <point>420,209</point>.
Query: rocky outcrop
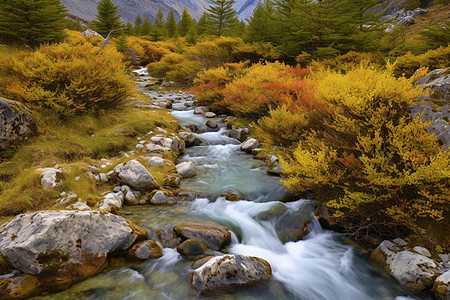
<point>404,18</point>
<point>135,175</point>
<point>186,169</point>
<point>145,250</point>
<point>412,270</point>
<point>90,32</point>
<point>214,238</point>
<point>249,145</point>
<point>16,123</point>
<point>18,287</point>
<point>230,270</point>
<point>59,247</point>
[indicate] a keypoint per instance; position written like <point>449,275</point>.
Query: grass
<point>73,144</point>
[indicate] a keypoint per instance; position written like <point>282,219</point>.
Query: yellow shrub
<point>69,79</point>
<point>149,51</point>
<point>433,59</point>
<point>175,66</point>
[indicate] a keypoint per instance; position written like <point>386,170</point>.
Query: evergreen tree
<point>146,28</point>
<point>260,24</point>
<point>137,25</point>
<point>222,15</point>
<point>158,32</point>
<point>185,24</point>
<point>437,35</point>
<point>204,25</point>
<point>32,22</point>
<point>129,28</point>
<point>121,44</point>
<point>191,37</point>
<point>171,25</point>
<point>107,18</point>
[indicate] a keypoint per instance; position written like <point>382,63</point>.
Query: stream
<point>320,266</point>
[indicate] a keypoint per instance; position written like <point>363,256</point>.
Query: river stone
<point>162,198</point>
<point>200,262</point>
<point>188,138</point>
<point>210,114</point>
<point>135,175</point>
<point>249,145</point>
<point>191,247</point>
<point>145,250</point>
<point>214,238</point>
<point>239,134</point>
<point>230,270</point>
<point>186,169</point>
<point>18,287</point>
<point>60,247</point>
<point>441,286</point>
<point>112,202</point>
<point>51,177</point>
<point>172,181</point>
<point>273,165</point>
<point>200,110</point>
<point>413,271</point>
<point>16,123</point>
<point>211,124</point>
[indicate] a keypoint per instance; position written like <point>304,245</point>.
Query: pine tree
<point>146,28</point>
<point>260,24</point>
<point>107,18</point>
<point>185,24</point>
<point>171,25</point>
<point>204,25</point>
<point>129,28</point>
<point>32,22</point>
<point>222,15</point>
<point>158,32</point>
<point>137,25</point>
<point>121,44</point>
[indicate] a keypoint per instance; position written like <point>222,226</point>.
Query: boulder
<point>135,175</point>
<point>16,123</point>
<point>51,177</point>
<point>200,110</point>
<point>210,114</point>
<point>441,286</point>
<point>239,134</point>
<point>214,238</point>
<point>249,145</point>
<point>18,287</point>
<point>186,169</point>
<point>145,250</point>
<point>188,138</point>
<point>131,198</point>
<point>211,124</point>
<point>60,247</point>
<point>273,165</point>
<point>112,202</point>
<point>191,247</point>
<point>163,198</point>
<point>230,270</point>
<point>90,32</point>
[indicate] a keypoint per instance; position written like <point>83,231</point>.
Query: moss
<point>446,119</point>
<point>52,260</point>
<point>5,268</point>
<point>436,108</point>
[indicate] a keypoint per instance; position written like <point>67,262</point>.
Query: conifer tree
<point>137,25</point>
<point>121,44</point>
<point>185,24</point>
<point>32,21</point>
<point>203,25</point>
<point>107,18</point>
<point>158,32</point>
<point>129,28</point>
<point>222,15</point>
<point>171,25</point>
<point>146,28</point>
<point>260,24</point>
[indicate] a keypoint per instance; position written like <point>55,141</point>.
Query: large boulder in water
<point>186,169</point>
<point>135,175</point>
<point>60,247</point>
<point>230,270</point>
<point>16,123</point>
<point>214,237</point>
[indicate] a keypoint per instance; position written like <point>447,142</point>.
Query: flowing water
<point>320,266</point>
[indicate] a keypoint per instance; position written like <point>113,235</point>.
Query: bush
<point>150,52</point>
<point>433,59</point>
<point>68,79</point>
<point>371,159</point>
<point>175,66</point>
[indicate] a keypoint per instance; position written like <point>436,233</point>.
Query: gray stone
<point>400,242</point>
<point>94,170</point>
<point>249,145</point>
<point>200,110</point>
<point>239,134</point>
<point>79,206</point>
<point>273,165</point>
<point>50,178</point>
<point>103,177</point>
<point>163,198</point>
<point>66,199</point>
<point>214,237</point>
<point>188,138</point>
<point>111,202</point>
<point>156,161</point>
<point>230,270</point>
<point>135,175</point>
<point>90,32</point>
<point>191,248</point>
<point>62,246</point>
<point>210,114</point>
<point>422,251</point>
<point>211,124</point>
<point>186,169</point>
<point>145,250</point>
<point>16,123</point>
<point>441,287</point>
<point>131,199</point>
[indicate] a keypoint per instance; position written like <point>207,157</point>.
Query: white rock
<point>186,169</point>
<point>111,202</point>
<point>156,161</point>
<point>441,286</point>
<point>423,251</point>
<point>249,145</point>
<point>135,175</point>
<point>79,206</point>
<point>103,177</point>
<point>49,178</point>
<point>210,114</point>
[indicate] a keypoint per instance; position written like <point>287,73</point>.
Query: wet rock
<point>60,247</point>
<point>187,196</point>
<point>239,134</point>
<point>51,177</point>
<point>188,138</point>
<point>210,114</point>
<point>135,175</point>
<point>200,110</point>
<point>272,212</point>
<point>191,247</point>
<point>192,127</point>
<point>172,181</point>
<point>16,123</point>
<point>131,198</point>
<point>162,198</point>
<point>145,250</point>
<point>211,124</point>
<point>233,197</point>
<point>18,287</point>
<point>200,262</point>
<point>230,270</point>
<point>422,251</point>
<point>214,238</point>
<point>186,169</point>
<point>441,287</point>
<point>273,165</point>
<point>167,238</point>
<point>249,145</point>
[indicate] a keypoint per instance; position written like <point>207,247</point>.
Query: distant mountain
<point>129,9</point>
